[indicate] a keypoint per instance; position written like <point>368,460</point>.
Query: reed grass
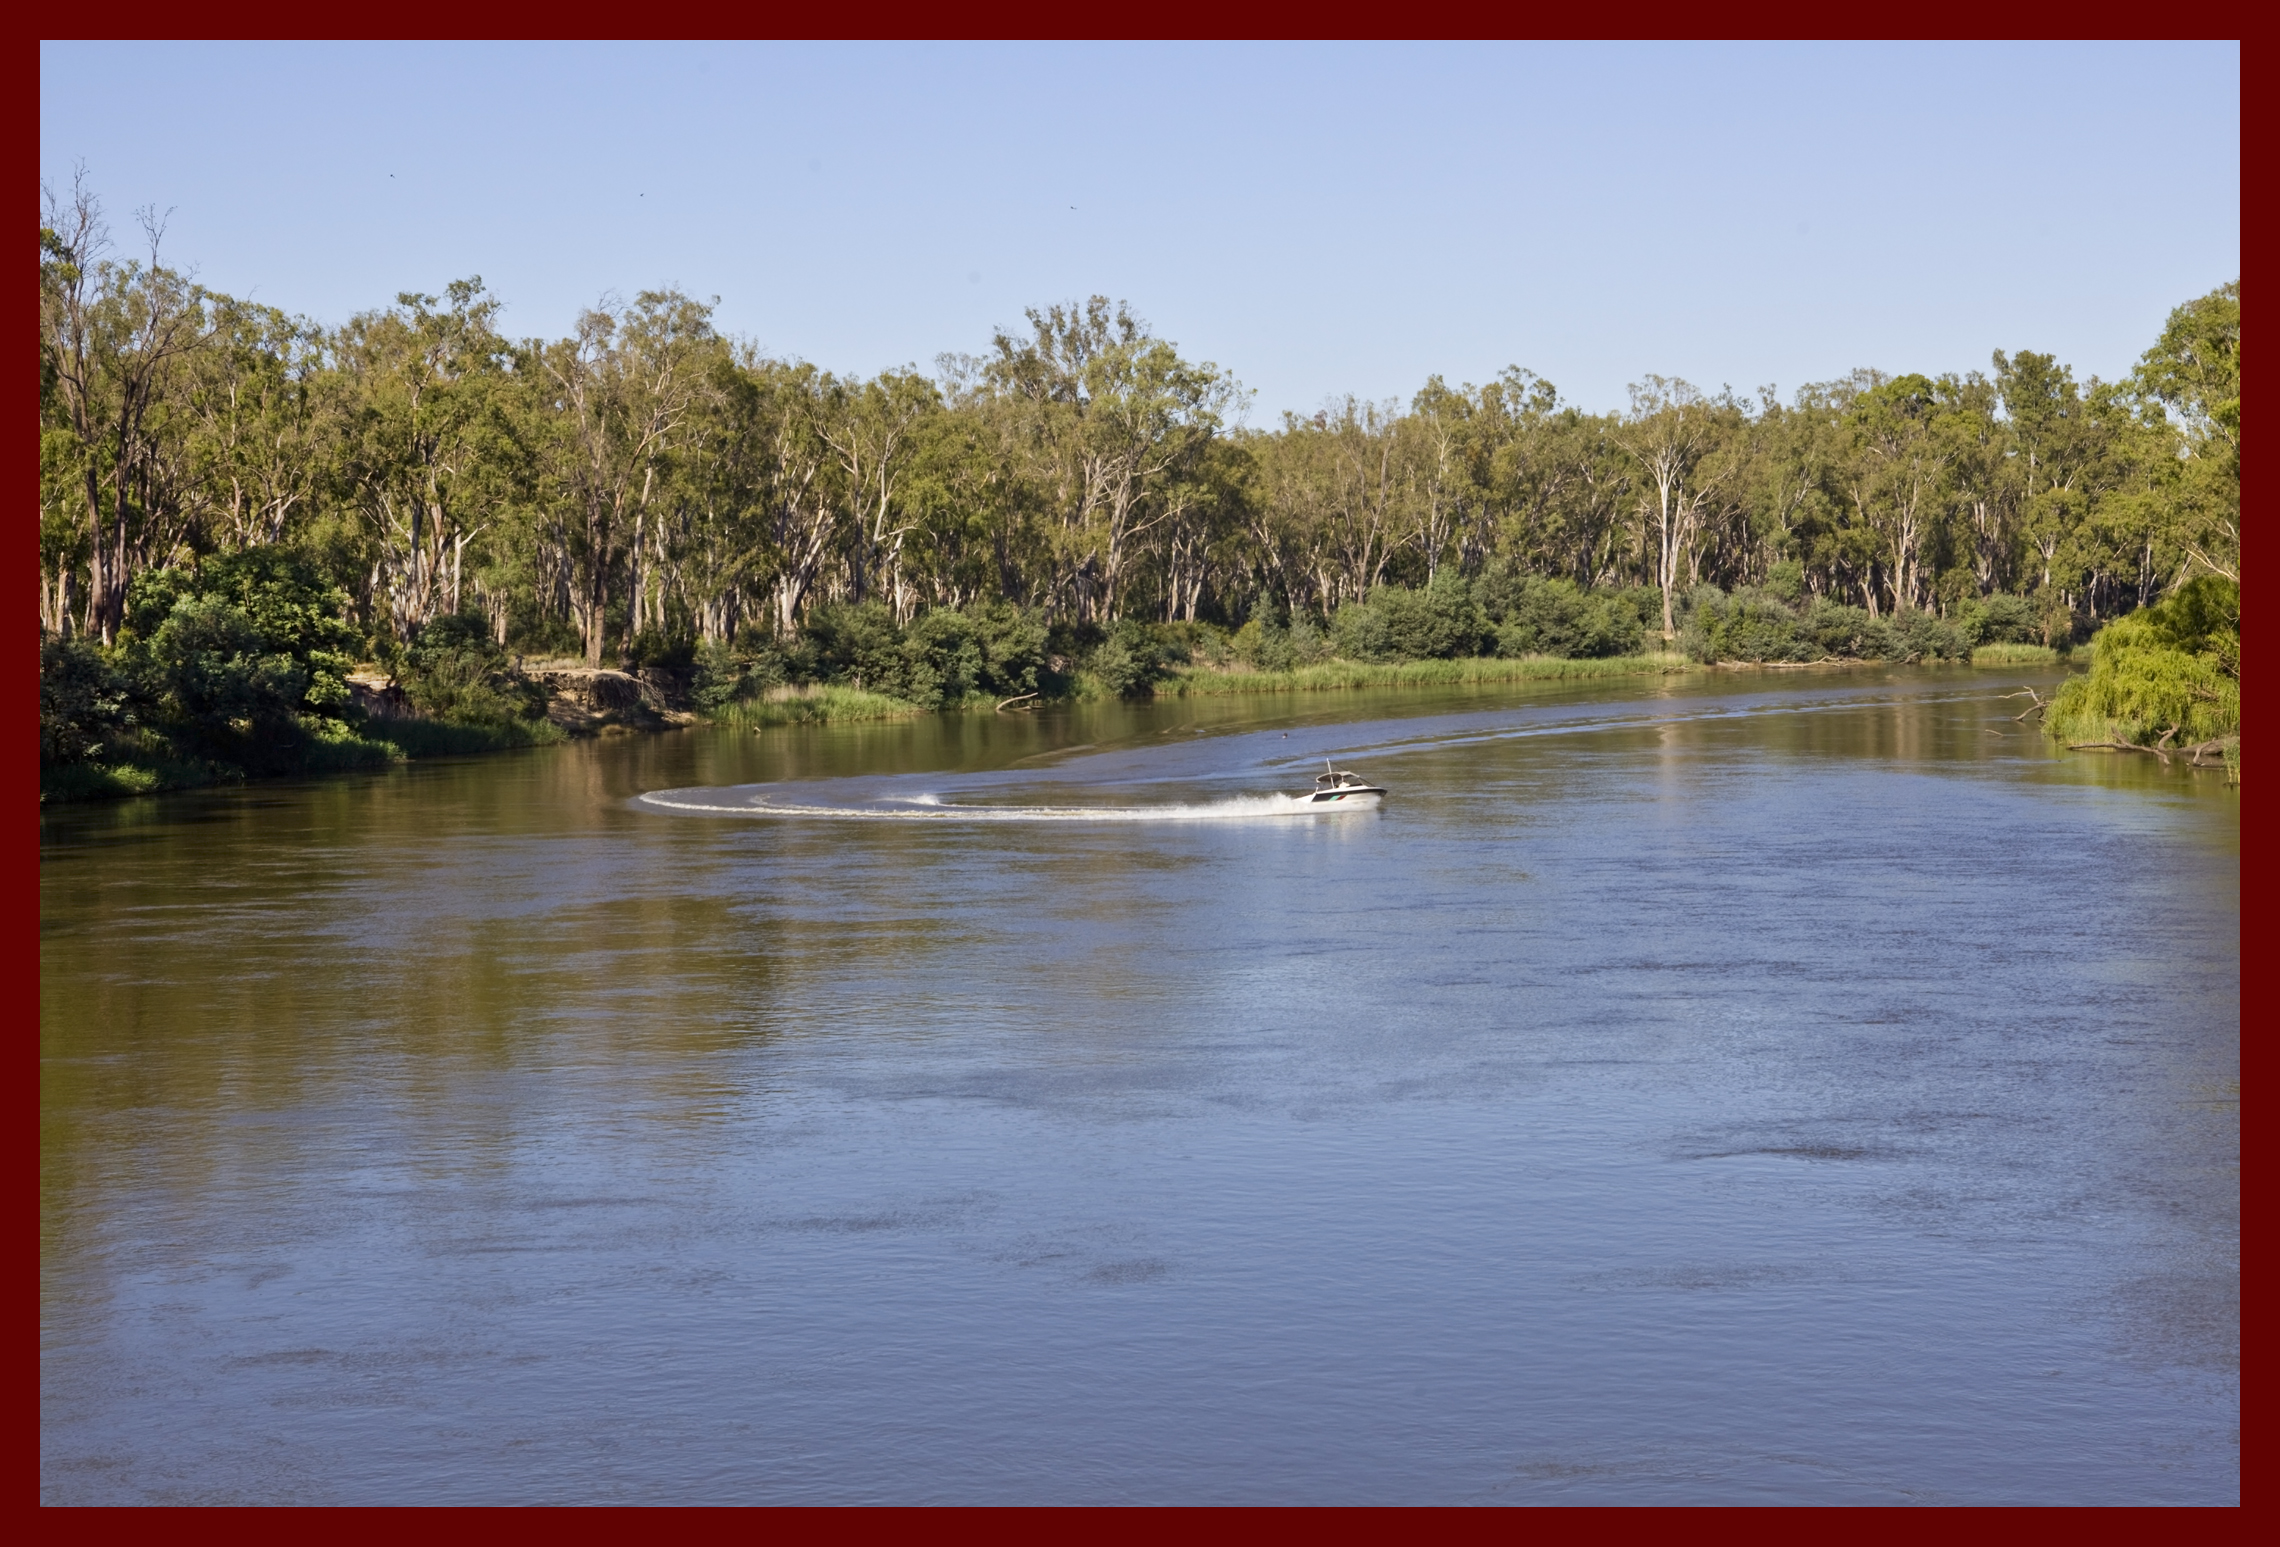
<point>1196,681</point>
<point>2016,655</point>
<point>814,704</point>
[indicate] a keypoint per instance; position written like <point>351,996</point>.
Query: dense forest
<point>651,491</point>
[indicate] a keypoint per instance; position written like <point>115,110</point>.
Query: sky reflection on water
<point>1742,1088</point>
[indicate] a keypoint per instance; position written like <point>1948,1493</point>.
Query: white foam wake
<point>927,808</point>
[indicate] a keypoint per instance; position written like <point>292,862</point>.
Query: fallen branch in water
<point>2036,707</point>
<point>2115,746</point>
<point>1017,698</point>
<point>2194,754</point>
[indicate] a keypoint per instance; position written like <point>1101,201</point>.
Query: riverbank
<point>581,701</point>
<point>1332,676</point>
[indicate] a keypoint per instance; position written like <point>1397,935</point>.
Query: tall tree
<point>113,336</point>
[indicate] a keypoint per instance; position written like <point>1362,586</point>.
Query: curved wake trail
<point>1238,809</point>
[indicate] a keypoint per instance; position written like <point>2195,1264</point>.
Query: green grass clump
<point>2016,655</point>
<point>813,705</point>
<point>447,738</point>
<point>1194,681</point>
<point>114,781</point>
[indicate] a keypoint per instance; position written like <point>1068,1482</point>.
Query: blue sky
<point>1320,219</point>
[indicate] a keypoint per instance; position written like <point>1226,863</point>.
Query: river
<point>1746,1087</point>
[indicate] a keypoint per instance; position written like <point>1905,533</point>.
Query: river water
<point>1744,1088</point>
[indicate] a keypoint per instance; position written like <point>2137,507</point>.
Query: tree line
<point>649,483</point>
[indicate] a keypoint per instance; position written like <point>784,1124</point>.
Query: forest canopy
<point>649,481</point>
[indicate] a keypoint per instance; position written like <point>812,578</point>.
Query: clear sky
<point>1320,219</point>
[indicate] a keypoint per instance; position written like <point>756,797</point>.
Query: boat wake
<point>931,808</point>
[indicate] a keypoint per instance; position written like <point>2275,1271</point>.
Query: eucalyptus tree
<point>2051,447</point>
<point>1894,478</point>
<point>1202,531</point>
<point>710,528</point>
<point>872,428</point>
<point>114,335</point>
<point>1978,457</point>
<point>802,511</point>
<point>1454,434</point>
<point>1335,492</point>
<point>1668,432</point>
<point>427,457</point>
<point>2193,373</point>
<point>623,390</point>
<point>1109,418</point>
<point>261,424</point>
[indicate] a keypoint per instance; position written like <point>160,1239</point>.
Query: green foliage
<point>1130,661</point>
<point>815,704</point>
<point>288,609</point>
<point>454,671</point>
<point>1438,623</point>
<point>1757,626</point>
<point>2001,619</point>
<point>1785,582</point>
<point>945,656</point>
<point>729,674</point>
<point>458,738</point>
<point>649,482</point>
<point>1332,675</point>
<point>1557,617</point>
<point>84,703</point>
<point>2171,670</point>
<point>1012,643</point>
<point>2014,655</point>
<point>1269,643</point>
<point>217,680</point>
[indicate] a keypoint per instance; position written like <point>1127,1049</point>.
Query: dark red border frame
<point>1167,19</point>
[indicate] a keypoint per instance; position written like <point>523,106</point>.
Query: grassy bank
<point>445,738</point>
<point>1196,681</point>
<point>150,765</point>
<point>815,704</point>
<point>2017,655</point>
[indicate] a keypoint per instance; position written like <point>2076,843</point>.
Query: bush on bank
<point>2167,672</point>
<point>239,667</point>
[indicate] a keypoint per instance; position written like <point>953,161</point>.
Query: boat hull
<point>1365,796</point>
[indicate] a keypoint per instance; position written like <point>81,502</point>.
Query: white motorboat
<point>1343,784</point>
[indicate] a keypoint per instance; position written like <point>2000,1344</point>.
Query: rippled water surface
<point>1741,1088</point>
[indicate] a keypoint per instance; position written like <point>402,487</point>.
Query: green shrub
<point>217,680</point>
<point>287,609</point>
<point>1915,636</point>
<point>814,705</point>
<point>728,674</point>
<point>1130,661</point>
<point>84,702</point>
<point>1747,626</point>
<point>2169,669</point>
<point>1755,625</point>
<point>455,672</point>
<point>945,655</point>
<point>1561,618</point>
<point>1012,644</point>
<point>2000,619</point>
<point>1438,623</point>
<point>1264,641</point>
